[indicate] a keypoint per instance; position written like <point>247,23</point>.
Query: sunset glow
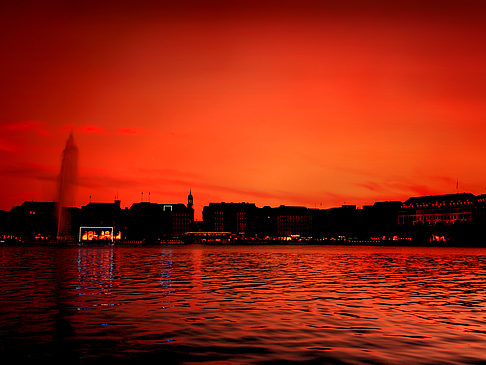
<point>319,104</point>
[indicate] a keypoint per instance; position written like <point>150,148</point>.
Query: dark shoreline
<point>253,243</point>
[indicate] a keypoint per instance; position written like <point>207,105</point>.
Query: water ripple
<point>267,304</point>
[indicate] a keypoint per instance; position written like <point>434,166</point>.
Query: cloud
<point>7,146</point>
<point>90,129</point>
<point>30,171</point>
<point>392,188</point>
<point>97,129</point>
<point>229,192</point>
<point>173,173</point>
<point>371,186</point>
<point>422,190</point>
<point>446,180</point>
<point>40,128</point>
<point>102,178</point>
<point>168,178</point>
<point>130,131</point>
<point>32,126</point>
<point>105,181</point>
<point>97,178</point>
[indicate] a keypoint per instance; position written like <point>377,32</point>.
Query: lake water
<point>243,304</point>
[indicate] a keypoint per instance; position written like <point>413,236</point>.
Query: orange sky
<point>318,104</point>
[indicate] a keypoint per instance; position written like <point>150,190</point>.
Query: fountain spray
<point>66,186</point>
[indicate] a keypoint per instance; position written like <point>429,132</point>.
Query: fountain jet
<point>66,186</point>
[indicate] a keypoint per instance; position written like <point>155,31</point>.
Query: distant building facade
<point>293,221</point>
<point>152,221</point>
<point>248,220</point>
<point>439,209</point>
<point>32,220</point>
<point>238,218</point>
<point>102,214</point>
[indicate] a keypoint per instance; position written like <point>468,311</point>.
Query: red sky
<point>315,104</point>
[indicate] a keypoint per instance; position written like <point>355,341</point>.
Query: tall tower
<point>190,200</point>
<point>190,205</point>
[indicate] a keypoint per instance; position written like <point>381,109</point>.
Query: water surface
<point>243,304</point>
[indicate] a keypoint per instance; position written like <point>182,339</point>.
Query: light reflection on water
<point>244,304</point>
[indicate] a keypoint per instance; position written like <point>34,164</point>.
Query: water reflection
<point>244,304</point>
<point>197,272</point>
<point>166,278</point>
<point>95,272</point>
<point>64,331</point>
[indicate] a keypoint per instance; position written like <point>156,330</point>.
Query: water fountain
<point>66,187</point>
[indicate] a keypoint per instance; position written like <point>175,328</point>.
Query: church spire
<point>190,205</point>
<point>190,199</point>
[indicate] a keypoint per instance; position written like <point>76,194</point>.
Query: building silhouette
<point>457,218</point>
<point>438,209</point>
<point>190,206</point>
<point>237,218</point>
